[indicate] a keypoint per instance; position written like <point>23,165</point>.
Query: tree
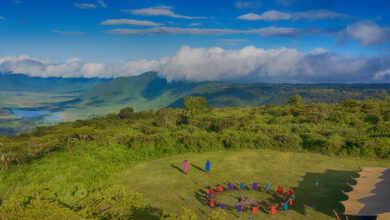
<point>295,100</point>
<point>165,117</point>
<point>126,112</point>
<point>194,104</point>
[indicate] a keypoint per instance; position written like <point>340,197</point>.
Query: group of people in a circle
<point>243,202</point>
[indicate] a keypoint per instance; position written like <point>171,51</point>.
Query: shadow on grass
<point>177,168</point>
<point>327,195</point>
<point>150,213</point>
<point>198,168</point>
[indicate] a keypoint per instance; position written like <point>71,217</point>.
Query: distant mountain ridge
<point>21,82</point>
<point>149,91</point>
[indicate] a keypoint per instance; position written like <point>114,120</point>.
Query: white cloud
<point>266,16</point>
<point>250,64</point>
<point>44,68</point>
<point>159,11</point>
<point>84,5</point>
<point>319,15</point>
<point>2,18</point>
<point>74,60</point>
<point>102,3</point>
<point>275,65</point>
<point>274,15</point>
<point>194,24</point>
<point>68,32</point>
<point>247,4</point>
<point>368,33</point>
<point>130,22</point>
<point>266,32</point>
<point>282,32</point>
<point>173,30</point>
<point>318,51</point>
<point>92,70</point>
<point>136,67</point>
<point>381,74</point>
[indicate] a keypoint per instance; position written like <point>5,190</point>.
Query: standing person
<point>185,164</point>
<point>207,168</point>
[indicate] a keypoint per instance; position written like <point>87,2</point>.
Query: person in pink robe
<point>185,164</point>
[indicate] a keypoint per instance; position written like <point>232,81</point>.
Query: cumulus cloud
<point>89,70</point>
<point>68,32</point>
<point>136,67</point>
<point>382,74</point>
<point>130,22</point>
<point>159,11</point>
<point>249,64</point>
<point>367,32</point>
<point>266,32</point>
<point>274,15</point>
<point>275,65</point>
<point>44,68</point>
<point>84,5</point>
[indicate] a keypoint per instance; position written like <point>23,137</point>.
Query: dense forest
<point>351,128</point>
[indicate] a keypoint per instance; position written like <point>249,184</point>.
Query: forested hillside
<point>351,128</point>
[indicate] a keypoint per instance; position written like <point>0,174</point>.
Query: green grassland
<point>163,183</point>
<point>12,99</point>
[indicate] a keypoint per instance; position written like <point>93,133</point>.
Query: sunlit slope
<point>146,91</point>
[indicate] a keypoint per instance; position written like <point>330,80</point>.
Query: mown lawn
<point>166,187</point>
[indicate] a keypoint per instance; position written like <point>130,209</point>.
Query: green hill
<point>146,91</point>
<point>149,91</point>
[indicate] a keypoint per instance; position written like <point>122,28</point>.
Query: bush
<point>315,142</point>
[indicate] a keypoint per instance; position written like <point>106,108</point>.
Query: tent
<point>371,194</point>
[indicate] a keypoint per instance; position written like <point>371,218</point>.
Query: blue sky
<point>112,33</point>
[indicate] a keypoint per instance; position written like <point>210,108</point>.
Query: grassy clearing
<point>11,99</point>
<point>164,185</point>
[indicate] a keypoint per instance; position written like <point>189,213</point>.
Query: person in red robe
<point>290,192</point>
<point>280,190</point>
